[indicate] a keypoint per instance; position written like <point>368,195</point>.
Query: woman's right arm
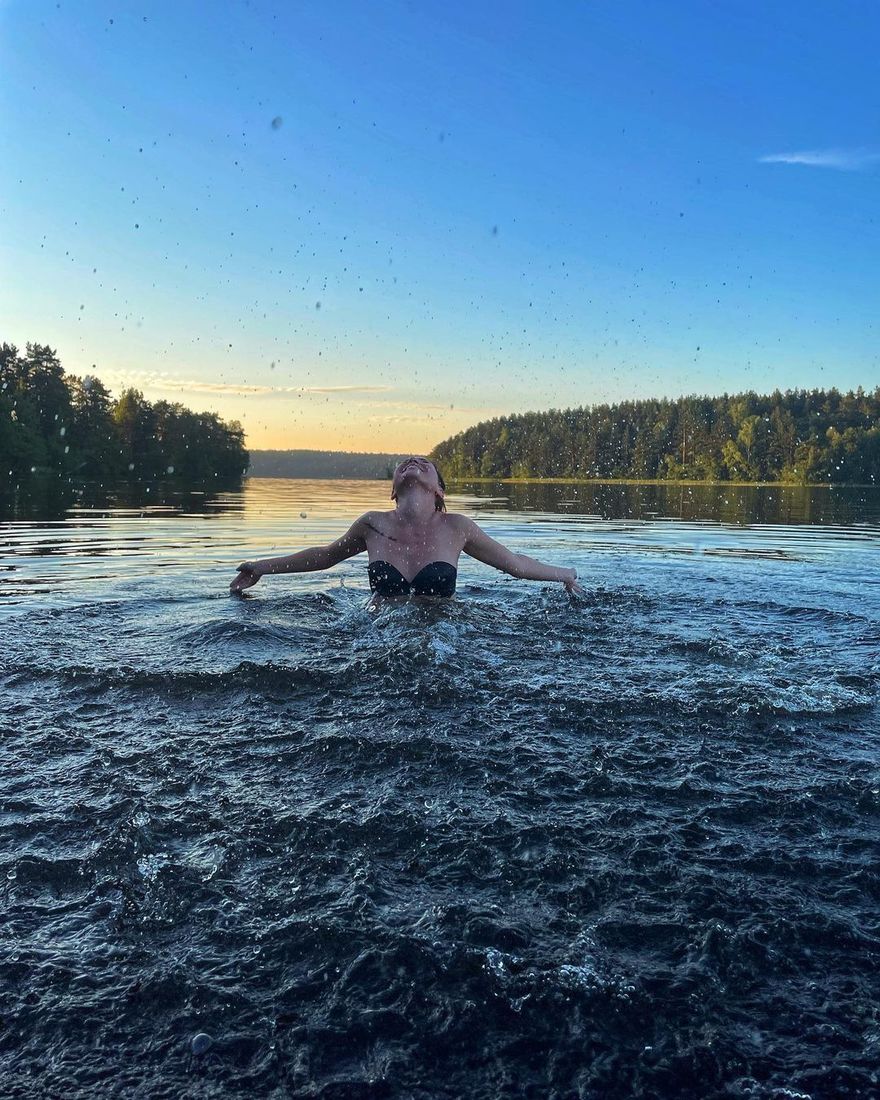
<point>303,561</point>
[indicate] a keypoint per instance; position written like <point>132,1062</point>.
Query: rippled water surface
<point>505,846</point>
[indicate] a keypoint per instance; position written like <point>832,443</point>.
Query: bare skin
<point>412,536</point>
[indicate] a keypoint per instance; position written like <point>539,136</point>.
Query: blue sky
<point>461,210</point>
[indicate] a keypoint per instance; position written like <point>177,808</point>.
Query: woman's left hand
<point>247,577</point>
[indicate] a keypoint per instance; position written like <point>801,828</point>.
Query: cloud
<point>847,160</point>
<point>421,405</point>
<point>402,418</point>
<point>377,401</point>
<point>151,380</point>
<point>179,384</point>
<point>345,389</point>
<point>422,412</point>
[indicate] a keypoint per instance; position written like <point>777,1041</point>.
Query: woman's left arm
<point>481,546</point>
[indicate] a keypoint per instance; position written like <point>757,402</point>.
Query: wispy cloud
<point>151,380</point>
<point>379,404</point>
<point>846,160</point>
<point>413,418</point>
<point>424,412</point>
<point>347,389</point>
<point>420,405</point>
<point>185,386</point>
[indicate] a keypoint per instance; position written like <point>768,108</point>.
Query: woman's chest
<point>410,548</point>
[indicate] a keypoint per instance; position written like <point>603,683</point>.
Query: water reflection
<point>720,503</point>
<point>49,499</point>
<point>54,498</point>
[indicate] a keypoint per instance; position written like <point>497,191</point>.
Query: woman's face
<point>416,470</point>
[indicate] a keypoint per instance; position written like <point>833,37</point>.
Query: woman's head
<point>418,471</point>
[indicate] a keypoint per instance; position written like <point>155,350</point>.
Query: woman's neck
<point>416,506</point>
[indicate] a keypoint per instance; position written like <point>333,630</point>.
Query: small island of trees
<point>800,436</point>
<point>53,422</point>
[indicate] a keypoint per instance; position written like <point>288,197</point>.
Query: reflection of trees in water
<point>49,497</point>
<point>718,503</point>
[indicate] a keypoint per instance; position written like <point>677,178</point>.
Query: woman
<point>415,548</point>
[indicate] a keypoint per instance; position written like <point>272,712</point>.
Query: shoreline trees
<point>51,421</point>
<point>800,436</point>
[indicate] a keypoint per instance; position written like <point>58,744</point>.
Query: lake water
<point>512,845</point>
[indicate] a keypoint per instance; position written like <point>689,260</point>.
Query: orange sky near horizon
<point>382,418</point>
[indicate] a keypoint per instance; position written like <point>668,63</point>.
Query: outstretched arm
<point>303,561</point>
<point>484,548</point>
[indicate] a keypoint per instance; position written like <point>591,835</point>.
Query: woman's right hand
<point>248,575</point>
<point>571,583</point>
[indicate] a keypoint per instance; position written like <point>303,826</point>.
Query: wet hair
<point>439,502</point>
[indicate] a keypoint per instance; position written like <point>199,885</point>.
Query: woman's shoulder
<point>372,516</point>
<point>458,521</point>
<point>376,520</point>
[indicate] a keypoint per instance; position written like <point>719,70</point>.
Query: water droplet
<point>201,1043</point>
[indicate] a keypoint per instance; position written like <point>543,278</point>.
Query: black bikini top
<point>437,578</point>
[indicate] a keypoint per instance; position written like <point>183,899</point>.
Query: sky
<point>366,227</point>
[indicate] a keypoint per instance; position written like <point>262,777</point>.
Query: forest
<point>51,421</point>
<point>800,436</point>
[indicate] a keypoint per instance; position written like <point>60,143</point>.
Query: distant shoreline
<point>322,465</point>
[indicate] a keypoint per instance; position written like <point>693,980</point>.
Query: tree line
<point>53,421</point>
<point>801,436</point>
